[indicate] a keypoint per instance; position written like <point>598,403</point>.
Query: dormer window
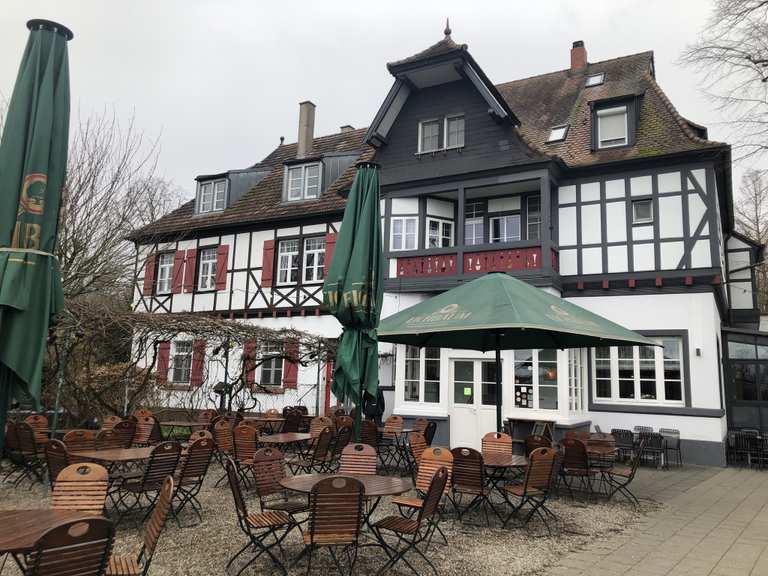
<point>612,127</point>
<point>211,196</point>
<point>595,80</point>
<point>303,181</point>
<point>558,133</point>
<point>443,133</point>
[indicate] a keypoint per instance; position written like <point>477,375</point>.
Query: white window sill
<point>420,409</point>
<point>612,402</point>
<point>438,150</point>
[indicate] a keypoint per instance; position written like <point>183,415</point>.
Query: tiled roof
<point>444,46</point>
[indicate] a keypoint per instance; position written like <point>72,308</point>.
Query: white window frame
<point>164,277</point>
<point>206,268</point>
<point>659,361</point>
<point>577,377</point>
<point>503,238</point>
<point>528,221</point>
<point>594,80</point>
<point>535,384</point>
<point>445,131</point>
<point>420,149</point>
<point>318,266</point>
<point>403,234</point>
<point>636,220</point>
<point>212,196</point>
<point>187,357</point>
<point>558,133</point>
<point>304,192</point>
<point>422,359</point>
<point>612,111</point>
<point>440,222</point>
<point>293,256</point>
<point>271,365</point>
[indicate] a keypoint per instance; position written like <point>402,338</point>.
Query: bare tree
<point>732,55</point>
<point>751,211</point>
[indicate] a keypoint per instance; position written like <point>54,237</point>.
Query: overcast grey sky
<point>219,81</point>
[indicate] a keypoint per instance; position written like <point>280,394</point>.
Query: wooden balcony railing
<point>509,260</point>
<point>420,266</point>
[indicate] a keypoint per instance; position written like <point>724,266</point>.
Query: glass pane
<point>463,386</point>
<point>625,352</point>
<point>626,388</point>
<point>432,370</point>
<point>603,388</point>
<point>464,371</point>
<point>648,389</point>
<point>433,353</point>
<point>671,348</point>
<point>489,394</point>
<point>603,369</point>
<point>548,397</point>
<point>412,390</point>
<point>602,352</point>
<point>431,391</point>
<point>412,370</point>
<point>741,350</point>
<point>647,352</point>
<point>673,390</point>
<point>672,370</point>
<point>744,382</point>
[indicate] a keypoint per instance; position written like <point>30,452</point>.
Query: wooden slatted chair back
<point>142,413</point>
<point>26,437</point>
<point>204,418</point>
<point>539,475</point>
<point>222,433</point>
<point>268,469</point>
<point>417,443</point>
<point>108,439</point>
<point>292,421</point>
<point>76,440</point>
<point>496,443</point>
<point>437,487</point>
<point>237,495</point>
<point>420,425</point>
<point>318,424</point>
<point>358,459</point>
<point>199,434</point>
<point>429,432</point>
<point>468,470</point>
<point>601,439</point>
<point>339,412</point>
<point>534,441</point>
<point>272,413</point>
<point>195,464</point>
<point>343,438</point>
<point>39,424</point>
<point>154,526</point>
<point>369,433</point>
<point>322,445</point>
<point>11,437</point>
<point>246,439</point>
<point>147,431</point>
<point>577,434</point>
<point>81,487</point>
<point>393,426</point>
<point>109,422</point>
<point>126,430</point>
<point>335,511</point>
<point>78,547</point>
<point>432,459</point>
<point>162,462</point>
<point>56,457</point>
<point>343,421</point>
<point>575,456</point>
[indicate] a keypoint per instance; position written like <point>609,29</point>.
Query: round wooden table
<point>115,455</point>
<point>285,438</point>
<point>497,465</point>
<point>21,529</point>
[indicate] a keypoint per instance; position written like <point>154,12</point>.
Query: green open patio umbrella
<point>353,291</point>
<point>33,158</point>
<point>499,312</point>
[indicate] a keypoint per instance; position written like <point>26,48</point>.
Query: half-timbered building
<point>586,182</point>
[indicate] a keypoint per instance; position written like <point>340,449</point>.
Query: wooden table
<point>115,455</point>
<point>188,424</point>
<point>21,529</point>
<point>273,424</point>
<point>497,464</point>
<point>285,438</point>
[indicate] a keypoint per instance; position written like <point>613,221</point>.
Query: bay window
<point>404,233</point>
<point>612,127</point>
<point>303,182</point>
<point>533,210</point>
<point>439,233</point>
<point>536,379</point>
<point>505,228</point>
<point>422,375</point>
<point>211,196</point>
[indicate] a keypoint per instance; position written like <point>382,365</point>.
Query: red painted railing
<point>419,266</point>
<point>502,260</point>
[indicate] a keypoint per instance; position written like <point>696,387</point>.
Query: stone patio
<point>714,522</point>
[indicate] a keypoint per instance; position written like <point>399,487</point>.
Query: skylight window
<point>595,80</point>
<point>558,133</point>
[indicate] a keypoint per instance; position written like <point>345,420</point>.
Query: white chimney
<point>306,128</point>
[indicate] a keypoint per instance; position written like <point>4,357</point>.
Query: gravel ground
<point>473,547</point>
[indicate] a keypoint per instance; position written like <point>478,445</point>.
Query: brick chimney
<point>306,128</point>
<point>578,56</point>
<point>346,128</point>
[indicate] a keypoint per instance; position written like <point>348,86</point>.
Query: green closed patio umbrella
<point>33,158</point>
<point>499,312</point>
<point>353,291</point>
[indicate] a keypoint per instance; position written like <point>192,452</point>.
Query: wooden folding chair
<point>534,490</point>
<point>576,466</point>
<point>125,430</point>
<point>369,433</point>
<point>81,487</point>
<point>56,458</point>
<point>340,441</point>
<point>77,440</point>
<point>39,424</point>
<point>108,439</point>
<point>30,454</point>
<point>191,474</point>
<point>469,481</point>
<point>416,446</point>
<point>618,478</point>
<point>358,459</point>
<point>392,450</point>
<point>147,431</point>
<point>109,422</point>
<point>268,470</point>
<point>77,547</point>
<point>318,458</point>
<point>246,442</point>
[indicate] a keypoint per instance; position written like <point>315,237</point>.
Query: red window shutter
<point>291,365</point>
<point>249,362</point>
<point>198,360</point>
<point>330,245</point>
<point>163,358</point>
<point>177,277</point>
<point>222,255</point>
<point>149,275</point>
<point>189,270</point>
<point>268,263</point>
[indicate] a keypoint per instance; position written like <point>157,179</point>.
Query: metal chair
<point>534,490</point>
<point>429,432</point>
<point>654,448</point>
<point>125,430</point>
<point>469,480</point>
<point>29,453</point>
<point>391,447</point>
<point>318,459</point>
<point>56,458</point>
<point>108,439</point>
<point>77,547</point>
<point>257,526</point>
<point>618,478</point>
<point>672,444</point>
<point>358,459</point>
<point>109,422</point>
<point>191,474</point>
<point>246,442</point>
<point>416,446</point>
<point>138,565</point>
<point>642,429</point>
<point>342,439</point>
<point>81,487</point>
<point>369,433</point>
<point>625,442</point>
<point>268,470</point>
<point>147,431</point>
<point>576,466</point>
<point>39,424</point>
<point>534,441</point>
<point>76,440</point>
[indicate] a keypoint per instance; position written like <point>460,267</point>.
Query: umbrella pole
<point>498,382</point>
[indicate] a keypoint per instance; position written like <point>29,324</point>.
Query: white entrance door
<point>473,400</point>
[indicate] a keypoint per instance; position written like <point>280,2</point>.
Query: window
<point>454,131</point>
<point>640,374</point>
<point>164,273</point>
<point>595,80</point>
<point>505,228</point>
<point>211,196</point>
<point>272,366</point>
<point>558,133</point>
<point>422,375</point>
<point>533,207</point>
<point>429,136</point>
<point>439,233</point>
<point>612,127</point>
<point>182,361</point>
<point>404,233</point>
<point>576,380</point>
<point>206,279</point>
<point>303,182</point>
<point>642,212</point>
<point>314,259</point>
<point>536,379</point>
<point>474,223</point>
<point>288,262</point>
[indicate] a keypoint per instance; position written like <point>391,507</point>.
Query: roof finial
<point>447,30</point>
